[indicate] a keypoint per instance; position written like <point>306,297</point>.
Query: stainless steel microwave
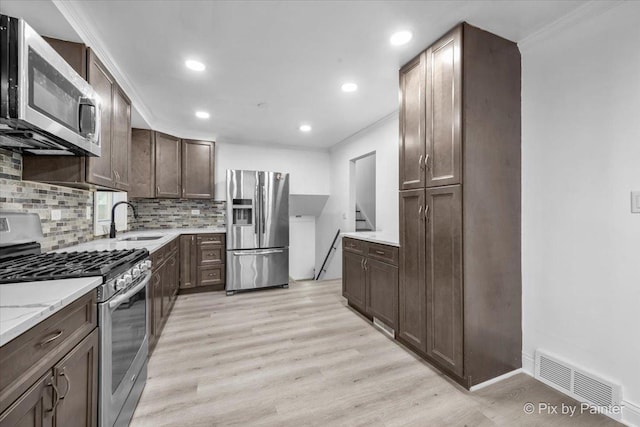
<point>45,106</point>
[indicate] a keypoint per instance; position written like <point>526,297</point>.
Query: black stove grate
<point>67,265</point>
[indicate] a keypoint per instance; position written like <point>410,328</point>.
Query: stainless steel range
<point>122,305</point>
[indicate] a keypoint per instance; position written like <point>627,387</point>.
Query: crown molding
<point>585,11</point>
<point>80,23</point>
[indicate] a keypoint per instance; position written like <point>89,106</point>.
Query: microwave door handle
<point>97,116</point>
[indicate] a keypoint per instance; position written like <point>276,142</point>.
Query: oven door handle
<point>114,303</point>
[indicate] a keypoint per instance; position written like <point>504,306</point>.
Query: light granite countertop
<point>382,237</point>
<point>151,245</point>
<point>24,305</point>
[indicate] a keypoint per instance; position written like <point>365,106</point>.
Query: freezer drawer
<point>257,268</point>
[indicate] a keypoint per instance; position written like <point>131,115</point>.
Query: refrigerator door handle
<point>255,210</point>
<point>263,196</point>
<point>258,252</point>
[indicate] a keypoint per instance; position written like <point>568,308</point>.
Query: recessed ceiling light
<point>349,87</point>
<point>400,38</point>
<point>202,114</point>
<point>194,65</point>
<point>305,128</point>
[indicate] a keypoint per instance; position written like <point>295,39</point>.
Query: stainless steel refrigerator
<point>257,230</point>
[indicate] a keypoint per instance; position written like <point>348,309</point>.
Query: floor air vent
<point>575,382</point>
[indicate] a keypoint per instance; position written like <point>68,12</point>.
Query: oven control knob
<point>120,284</point>
<point>148,263</point>
<point>142,266</point>
<point>136,272</point>
<point>128,278</point>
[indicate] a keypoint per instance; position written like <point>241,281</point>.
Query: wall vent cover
<point>577,383</point>
<point>388,330</point>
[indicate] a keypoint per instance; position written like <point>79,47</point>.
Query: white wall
<point>309,170</point>
<point>381,137</point>
<point>366,186</point>
<point>580,161</point>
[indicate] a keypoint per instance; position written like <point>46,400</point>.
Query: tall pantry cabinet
<point>460,274</point>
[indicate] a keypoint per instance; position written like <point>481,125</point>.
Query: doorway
<point>365,192</point>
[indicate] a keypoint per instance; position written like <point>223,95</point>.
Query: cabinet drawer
<point>211,239</point>
<point>173,245</point>
<point>353,245</point>
<point>383,253</point>
<point>209,254</point>
<point>28,356</point>
<point>157,257</point>
<point>210,275</point>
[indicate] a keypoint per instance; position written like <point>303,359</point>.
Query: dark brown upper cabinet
<point>460,251</point>
<point>412,124</point>
<point>171,168</point>
<point>198,158</point>
<point>168,166</point>
<point>443,110</point>
<point>111,170</point>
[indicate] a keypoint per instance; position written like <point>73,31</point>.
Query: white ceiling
<point>271,65</point>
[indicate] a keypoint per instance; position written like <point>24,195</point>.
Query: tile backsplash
<point>172,213</point>
<point>25,196</point>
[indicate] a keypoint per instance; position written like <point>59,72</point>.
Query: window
<point>103,202</point>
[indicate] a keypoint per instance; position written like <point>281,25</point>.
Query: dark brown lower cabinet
<point>163,288</point>
<point>202,261</point>
<point>65,392</point>
<point>354,279</point>
<point>370,279</point>
<point>412,327</point>
<point>444,277</point>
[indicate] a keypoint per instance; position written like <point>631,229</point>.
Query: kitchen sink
<point>140,238</point>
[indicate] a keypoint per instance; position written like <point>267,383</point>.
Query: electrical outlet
<point>56,214</point>
<point>195,211</point>
<point>635,202</point>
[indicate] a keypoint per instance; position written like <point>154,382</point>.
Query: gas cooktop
<point>67,265</point>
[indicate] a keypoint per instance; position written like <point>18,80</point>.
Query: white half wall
<point>339,212</point>
<point>308,169</point>
<point>580,161</point>
<point>302,247</point>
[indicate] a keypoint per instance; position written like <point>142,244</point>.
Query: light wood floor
<point>299,356</point>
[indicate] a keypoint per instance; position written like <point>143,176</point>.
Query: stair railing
<point>326,258</point>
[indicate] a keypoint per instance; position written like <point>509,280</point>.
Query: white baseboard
<point>495,380</point>
<point>630,414</point>
<point>528,364</point>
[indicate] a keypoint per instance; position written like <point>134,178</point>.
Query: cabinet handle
<point>420,162</point>
<point>362,263</point>
<point>56,395</point>
<point>366,262</point>
<point>426,162</point>
<point>426,212</point>
<point>53,338</point>
<point>157,190</point>
<point>68,381</point>
<point>380,252</point>
<point>420,212</point>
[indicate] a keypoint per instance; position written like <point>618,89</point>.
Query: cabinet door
<point>382,291</point>
<point>34,408</point>
<point>444,113</point>
<point>74,53</point>
<point>167,286</point>
<point>168,175</point>
<point>354,279</point>
<point>444,277</point>
<point>188,263</point>
<point>412,124</point>
<point>121,143</point>
<point>77,381</point>
<point>99,169</point>
<point>143,175</point>
<point>412,286</point>
<point>197,169</point>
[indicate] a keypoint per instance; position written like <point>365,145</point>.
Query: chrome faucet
<point>112,230</point>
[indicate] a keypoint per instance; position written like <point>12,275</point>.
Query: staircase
<point>362,222</point>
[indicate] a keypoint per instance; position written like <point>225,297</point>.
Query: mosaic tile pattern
<point>172,213</point>
<point>26,196</point>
